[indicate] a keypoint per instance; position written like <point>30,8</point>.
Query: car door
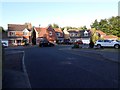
<point>108,43</point>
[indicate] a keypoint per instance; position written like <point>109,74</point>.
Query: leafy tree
<point>109,26</point>
<point>84,28</point>
<point>95,24</point>
<point>2,29</point>
<point>94,35</point>
<point>55,26</point>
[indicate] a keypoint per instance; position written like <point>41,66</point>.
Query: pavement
<point>20,47</point>
<point>14,73</point>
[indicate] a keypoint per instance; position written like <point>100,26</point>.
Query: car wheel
<point>98,46</point>
<point>116,46</point>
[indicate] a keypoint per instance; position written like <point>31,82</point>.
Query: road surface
<point>60,67</point>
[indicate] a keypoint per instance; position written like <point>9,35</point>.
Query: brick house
<point>47,33</point>
<point>17,33</point>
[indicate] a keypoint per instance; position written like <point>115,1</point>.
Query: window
<point>85,33</point>
<point>58,34</point>
<point>50,33</point>
<point>72,34</point>
<point>11,33</point>
<point>100,40</point>
<point>106,40</point>
<point>24,33</point>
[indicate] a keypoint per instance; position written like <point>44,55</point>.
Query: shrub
<point>91,44</point>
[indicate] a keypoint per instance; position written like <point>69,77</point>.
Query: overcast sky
<point>64,13</point>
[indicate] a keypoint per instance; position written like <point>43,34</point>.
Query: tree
<point>84,28</point>
<point>95,24</point>
<point>109,26</point>
<point>94,35</point>
<point>2,29</point>
<point>55,26</point>
<point>33,36</point>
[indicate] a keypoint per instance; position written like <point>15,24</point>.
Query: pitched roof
<point>110,37</point>
<point>74,30</point>
<point>100,32</point>
<point>58,30</point>
<point>41,31</point>
<point>16,27</point>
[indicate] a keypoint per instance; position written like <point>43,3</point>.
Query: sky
<point>64,13</point>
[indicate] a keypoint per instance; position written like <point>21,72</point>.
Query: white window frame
<point>12,33</point>
<point>50,33</point>
<point>85,33</point>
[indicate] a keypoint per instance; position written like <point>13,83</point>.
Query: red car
<point>78,42</point>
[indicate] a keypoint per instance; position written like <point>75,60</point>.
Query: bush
<point>91,44</point>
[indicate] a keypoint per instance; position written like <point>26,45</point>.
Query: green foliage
<point>54,25</point>
<point>84,28</point>
<point>2,29</point>
<point>109,26</point>
<point>94,36</point>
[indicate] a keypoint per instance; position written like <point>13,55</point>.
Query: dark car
<point>46,44</point>
<point>66,42</point>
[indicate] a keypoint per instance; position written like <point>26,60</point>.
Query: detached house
<point>105,36</point>
<point>18,33</point>
<point>47,33</point>
<point>74,35</point>
<point>59,34</point>
<point>83,35</point>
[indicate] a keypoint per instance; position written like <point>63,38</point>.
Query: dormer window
<point>50,33</point>
<point>85,33</point>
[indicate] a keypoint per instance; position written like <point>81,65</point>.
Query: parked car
<point>107,43</point>
<point>67,42</point>
<point>4,43</point>
<point>79,42</point>
<point>46,44</point>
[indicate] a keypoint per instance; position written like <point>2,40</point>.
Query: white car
<point>4,43</point>
<point>107,43</point>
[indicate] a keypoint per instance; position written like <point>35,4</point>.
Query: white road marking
<point>24,69</point>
